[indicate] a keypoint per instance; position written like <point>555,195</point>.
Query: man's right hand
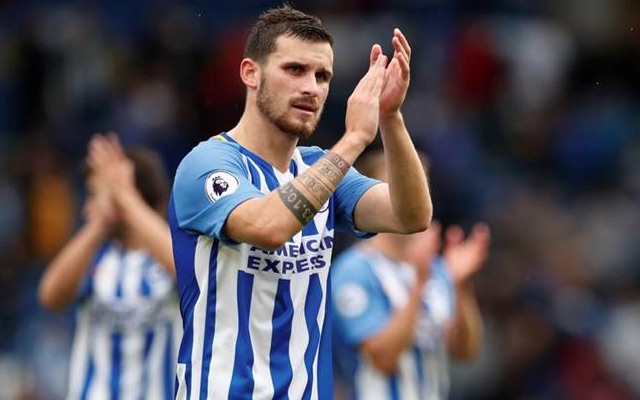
<point>362,114</point>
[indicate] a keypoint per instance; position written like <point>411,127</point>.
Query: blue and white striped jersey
<point>369,288</point>
<point>255,322</point>
<point>127,329</point>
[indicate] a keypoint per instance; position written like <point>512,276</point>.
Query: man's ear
<point>250,73</point>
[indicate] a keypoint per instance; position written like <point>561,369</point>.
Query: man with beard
<point>253,215</point>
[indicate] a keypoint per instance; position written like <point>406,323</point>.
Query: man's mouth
<point>308,107</point>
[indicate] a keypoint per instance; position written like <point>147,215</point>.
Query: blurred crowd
<point>529,111</point>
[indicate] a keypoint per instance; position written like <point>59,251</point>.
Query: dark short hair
<point>151,176</point>
<point>283,20</point>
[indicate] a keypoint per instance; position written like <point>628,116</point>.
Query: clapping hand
<point>363,105</point>
<point>397,75</point>
<point>463,256</point>
<point>107,160</point>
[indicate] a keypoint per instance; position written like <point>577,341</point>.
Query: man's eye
<point>296,68</point>
<point>323,77</point>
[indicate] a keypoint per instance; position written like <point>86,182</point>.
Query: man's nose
<point>310,85</point>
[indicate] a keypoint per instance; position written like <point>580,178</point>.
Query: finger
<point>92,142</point>
<point>481,232</point>
<point>378,74</point>
<point>402,52</point>
<point>99,156</point>
<point>371,82</point>
<point>376,50</point>
<point>401,44</point>
<point>115,144</point>
<point>97,148</point>
<point>378,66</point>
<point>403,63</point>
<point>454,235</point>
<point>94,150</point>
<point>108,148</point>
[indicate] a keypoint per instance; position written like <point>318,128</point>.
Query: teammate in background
<point>252,215</point>
<point>119,270</point>
<point>400,310</point>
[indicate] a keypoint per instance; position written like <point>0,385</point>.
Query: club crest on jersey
<point>219,184</point>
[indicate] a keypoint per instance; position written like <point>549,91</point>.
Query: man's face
<point>294,85</point>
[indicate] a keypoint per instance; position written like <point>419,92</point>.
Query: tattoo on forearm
<point>338,161</point>
<point>330,172</point>
<point>320,190</point>
<point>297,203</point>
<point>319,181</point>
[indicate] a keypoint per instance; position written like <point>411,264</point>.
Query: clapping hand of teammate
<point>464,257</point>
<point>422,249</point>
<point>396,76</point>
<point>112,170</point>
<point>99,208</point>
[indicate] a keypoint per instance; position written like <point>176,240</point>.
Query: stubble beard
<point>266,101</point>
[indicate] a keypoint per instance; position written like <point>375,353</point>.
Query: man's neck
<point>265,140</point>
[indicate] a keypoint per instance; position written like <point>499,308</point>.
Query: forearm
<point>408,187</point>
<point>385,348</point>
<point>465,333</point>
<point>271,221</point>
<point>64,274</point>
<point>148,226</point>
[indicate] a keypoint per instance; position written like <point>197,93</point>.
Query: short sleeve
<point>360,307</point>
<point>347,195</point>
<point>210,182</point>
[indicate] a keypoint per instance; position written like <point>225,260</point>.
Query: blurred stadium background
<point>529,110</point>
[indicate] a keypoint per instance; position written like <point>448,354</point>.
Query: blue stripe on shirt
<point>242,380</point>
<point>210,321</point>
<point>270,179</point>
<point>88,379</point>
<point>145,287</point>
<point>312,306</point>
<point>169,362</point>
<point>120,271</point>
<point>263,165</point>
<point>184,246</point>
<point>293,168</point>
<point>393,387</point>
<point>310,229</point>
<point>417,359</point>
<point>279,364</point>
<point>116,364</point>
<point>255,176</point>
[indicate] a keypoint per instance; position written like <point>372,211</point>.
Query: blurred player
<point>118,268</point>
<point>400,311</point>
<point>253,215</point>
